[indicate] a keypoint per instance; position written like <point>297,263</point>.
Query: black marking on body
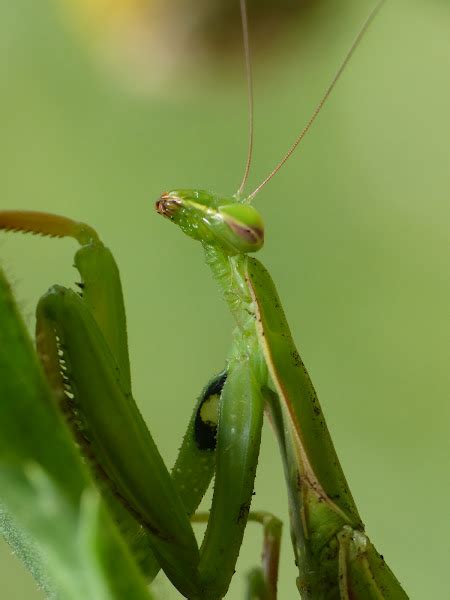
<point>205,426</point>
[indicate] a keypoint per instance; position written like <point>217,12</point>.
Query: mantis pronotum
<point>83,347</point>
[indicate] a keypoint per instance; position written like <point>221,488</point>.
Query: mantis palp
<point>83,347</point>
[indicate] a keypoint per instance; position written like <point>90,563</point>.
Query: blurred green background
<point>355,239</point>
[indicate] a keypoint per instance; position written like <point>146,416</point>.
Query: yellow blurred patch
<point>97,15</point>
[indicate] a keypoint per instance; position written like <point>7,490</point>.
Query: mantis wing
<point>334,556</point>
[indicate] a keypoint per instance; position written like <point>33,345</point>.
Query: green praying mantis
<point>81,340</point>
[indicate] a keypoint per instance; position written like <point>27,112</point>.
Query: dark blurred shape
<point>146,42</point>
<point>219,23</point>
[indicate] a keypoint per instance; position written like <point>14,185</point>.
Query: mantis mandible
<point>82,342</point>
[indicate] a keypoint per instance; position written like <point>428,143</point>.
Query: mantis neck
<point>229,272</point>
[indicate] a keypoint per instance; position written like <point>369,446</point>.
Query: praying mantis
<point>82,344</point>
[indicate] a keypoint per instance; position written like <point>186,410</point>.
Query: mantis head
<point>225,222</point>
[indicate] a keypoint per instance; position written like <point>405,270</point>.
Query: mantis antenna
<point>324,98</point>
<point>248,70</point>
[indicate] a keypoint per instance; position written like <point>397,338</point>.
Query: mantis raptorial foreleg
<point>82,345</point>
<point>90,335</point>
<point>50,512</point>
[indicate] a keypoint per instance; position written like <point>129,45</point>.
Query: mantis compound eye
<point>244,227</point>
